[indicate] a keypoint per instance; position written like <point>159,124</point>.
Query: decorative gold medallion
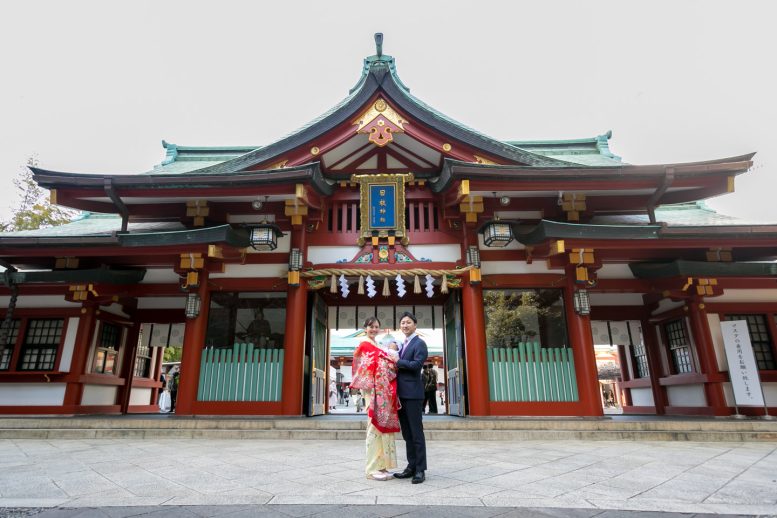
<point>446,147</point>
<point>314,150</point>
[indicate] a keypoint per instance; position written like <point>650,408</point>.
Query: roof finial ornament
<point>379,43</point>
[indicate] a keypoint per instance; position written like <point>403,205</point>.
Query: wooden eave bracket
<point>684,288</point>
<point>573,204</point>
<point>455,196</point>
<point>63,263</point>
<point>307,196</point>
<point>110,190</point>
<point>296,208</point>
<point>198,210</point>
<point>469,205</point>
<point>669,174</point>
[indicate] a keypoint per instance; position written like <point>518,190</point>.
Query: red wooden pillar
<point>156,374</point>
<point>128,367</point>
<point>75,388</point>
<point>625,396</point>
<point>713,388</point>
<point>653,353</point>
<point>582,342</point>
<point>294,346</point>
<point>474,338</point>
<point>475,350</point>
<point>193,345</point>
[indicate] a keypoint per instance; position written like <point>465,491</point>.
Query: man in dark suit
<point>410,389</point>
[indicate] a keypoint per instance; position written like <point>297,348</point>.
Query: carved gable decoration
<point>380,122</point>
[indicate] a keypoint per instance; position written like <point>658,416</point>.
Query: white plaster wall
<point>99,395</point>
<point>614,271</point>
<point>162,303</point>
<point>331,254</point>
<point>437,253</point>
<point>160,276</point>
<point>642,397</point>
<point>770,393</point>
<point>496,267</point>
<point>69,344</point>
<point>686,395</point>
<point>253,270</point>
<point>729,295</point>
<point>615,299</point>
<point>140,396</point>
<point>32,394</point>
<point>40,301</point>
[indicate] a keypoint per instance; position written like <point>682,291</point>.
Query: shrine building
<point>518,258</point>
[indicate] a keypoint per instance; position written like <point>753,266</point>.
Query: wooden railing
<point>344,217</point>
<point>242,373</point>
<point>531,373</point>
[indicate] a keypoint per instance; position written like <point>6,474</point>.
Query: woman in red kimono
<point>375,374</point>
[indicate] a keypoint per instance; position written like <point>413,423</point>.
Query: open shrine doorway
<point>336,329</point>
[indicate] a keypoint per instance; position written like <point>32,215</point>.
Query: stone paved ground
<point>190,477</point>
<point>341,511</point>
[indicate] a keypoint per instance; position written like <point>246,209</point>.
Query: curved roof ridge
<point>375,71</point>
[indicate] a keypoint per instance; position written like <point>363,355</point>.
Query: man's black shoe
<point>419,477</point>
<point>405,474</point>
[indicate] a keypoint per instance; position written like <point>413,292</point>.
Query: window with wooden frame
<point>8,346</point>
<point>679,347</point>
<point>760,338</point>
<point>143,360</point>
<point>40,344</point>
<point>108,345</point>
<point>640,361</point>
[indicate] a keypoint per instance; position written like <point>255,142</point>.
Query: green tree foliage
<point>172,354</point>
<point>514,316</point>
<point>34,209</point>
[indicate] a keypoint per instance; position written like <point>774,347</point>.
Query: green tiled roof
<point>183,159</point>
<point>590,151</point>
<point>695,214</point>
<point>93,224</point>
<point>105,229</point>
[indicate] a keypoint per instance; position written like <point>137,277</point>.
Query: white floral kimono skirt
<point>381,447</point>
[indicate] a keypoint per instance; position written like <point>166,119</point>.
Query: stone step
<point>431,435</point>
<point>353,427</point>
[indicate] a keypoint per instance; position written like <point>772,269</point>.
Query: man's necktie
<point>404,345</point>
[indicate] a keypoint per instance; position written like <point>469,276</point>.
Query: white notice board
<point>742,368</point>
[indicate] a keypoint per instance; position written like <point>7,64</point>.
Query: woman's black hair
<point>370,320</point>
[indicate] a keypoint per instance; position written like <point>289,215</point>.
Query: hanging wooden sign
<point>382,203</point>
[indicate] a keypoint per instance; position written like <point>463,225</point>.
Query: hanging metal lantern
<point>264,236</point>
<point>582,302</point>
<point>497,233</point>
<point>193,304</point>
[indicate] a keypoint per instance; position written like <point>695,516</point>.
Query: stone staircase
<point>438,428</point>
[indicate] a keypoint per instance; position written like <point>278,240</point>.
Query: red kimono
<point>373,369</point>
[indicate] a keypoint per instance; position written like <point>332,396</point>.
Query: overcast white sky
<point>95,86</point>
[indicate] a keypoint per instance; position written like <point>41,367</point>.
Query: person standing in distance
<point>410,389</point>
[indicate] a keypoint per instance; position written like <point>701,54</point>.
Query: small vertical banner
<point>742,368</point>
<point>344,290</point>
